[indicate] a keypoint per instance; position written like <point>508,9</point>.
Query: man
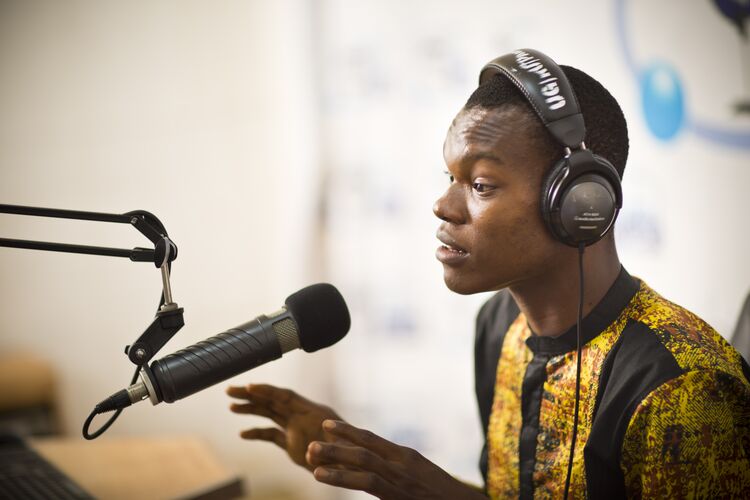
<point>664,400</point>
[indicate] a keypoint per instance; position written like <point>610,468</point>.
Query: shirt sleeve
<point>690,438</point>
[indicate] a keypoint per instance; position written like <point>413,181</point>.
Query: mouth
<point>450,252</point>
<point>452,249</point>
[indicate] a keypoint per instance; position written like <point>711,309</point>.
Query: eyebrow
<point>472,158</point>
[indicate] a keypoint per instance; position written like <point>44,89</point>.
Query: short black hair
<point>606,129</point>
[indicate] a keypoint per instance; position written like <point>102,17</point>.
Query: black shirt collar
<point>604,314</point>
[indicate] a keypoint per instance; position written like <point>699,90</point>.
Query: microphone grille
<point>287,333</point>
<point>321,315</point>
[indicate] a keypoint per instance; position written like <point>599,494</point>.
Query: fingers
<point>280,398</point>
<point>364,438</point>
<point>356,480</point>
<point>379,467</point>
<point>254,406</point>
<point>260,391</point>
<point>350,457</point>
<point>282,401</point>
<point>250,391</point>
<point>238,392</point>
<point>261,401</point>
<point>262,411</point>
<point>270,434</point>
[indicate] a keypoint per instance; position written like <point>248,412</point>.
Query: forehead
<point>481,132</point>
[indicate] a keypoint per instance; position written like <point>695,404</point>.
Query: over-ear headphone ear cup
<point>587,209</point>
<point>549,180</point>
<point>581,196</point>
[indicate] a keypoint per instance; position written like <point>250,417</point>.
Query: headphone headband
<point>581,193</point>
<point>546,88</point>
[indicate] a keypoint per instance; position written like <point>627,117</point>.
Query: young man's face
<point>492,232</point>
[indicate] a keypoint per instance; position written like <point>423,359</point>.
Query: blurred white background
<point>288,142</point>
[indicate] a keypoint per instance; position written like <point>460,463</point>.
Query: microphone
<point>312,318</point>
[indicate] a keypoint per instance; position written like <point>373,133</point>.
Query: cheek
<point>515,222</point>
<point>511,241</point>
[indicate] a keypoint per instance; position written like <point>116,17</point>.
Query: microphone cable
<point>581,246</point>
<point>97,409</point>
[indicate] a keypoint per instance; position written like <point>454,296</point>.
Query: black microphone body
<point>313,318</point>
<point>216,359</point>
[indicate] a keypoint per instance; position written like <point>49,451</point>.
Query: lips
<point>450,252</point>
<point>453,249</point>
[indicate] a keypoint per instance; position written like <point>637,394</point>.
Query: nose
<point>450,207</point>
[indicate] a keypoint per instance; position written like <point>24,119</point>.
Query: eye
<point>450,177</point>
<point>482,188</point>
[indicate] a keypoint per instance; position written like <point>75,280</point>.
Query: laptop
<point>26,475</point>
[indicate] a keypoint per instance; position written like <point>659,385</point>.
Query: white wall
<point>198,112</point>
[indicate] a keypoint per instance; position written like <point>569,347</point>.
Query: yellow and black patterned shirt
<point>664,403</point>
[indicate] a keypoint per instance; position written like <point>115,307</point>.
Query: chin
<point>464,286</point>
<point>471,283</point>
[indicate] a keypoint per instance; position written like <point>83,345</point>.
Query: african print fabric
<point>664,405</point>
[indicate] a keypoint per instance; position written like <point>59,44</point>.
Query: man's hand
<point>366,462</point>
<point>299,419</point>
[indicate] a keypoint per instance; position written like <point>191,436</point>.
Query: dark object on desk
<point>26,475</point>
<point>28,395</point>
<point>741,335</point>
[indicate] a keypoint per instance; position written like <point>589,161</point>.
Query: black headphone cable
<point>581,246</point>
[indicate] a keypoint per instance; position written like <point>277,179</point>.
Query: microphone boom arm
<point>169,318</point>
<point>147,223</point>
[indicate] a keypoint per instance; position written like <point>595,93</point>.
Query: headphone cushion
<point>550,178</point>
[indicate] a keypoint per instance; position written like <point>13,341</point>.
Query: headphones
<point>581,194</point>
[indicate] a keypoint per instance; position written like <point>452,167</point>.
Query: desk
<point>142,467</point>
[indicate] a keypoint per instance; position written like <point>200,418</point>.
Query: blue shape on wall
<point>662,95</point>
<point>662,100</point>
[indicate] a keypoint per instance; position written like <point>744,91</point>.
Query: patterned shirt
<point>664,407</point>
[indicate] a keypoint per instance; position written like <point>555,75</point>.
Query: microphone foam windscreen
<point>321,315</point>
